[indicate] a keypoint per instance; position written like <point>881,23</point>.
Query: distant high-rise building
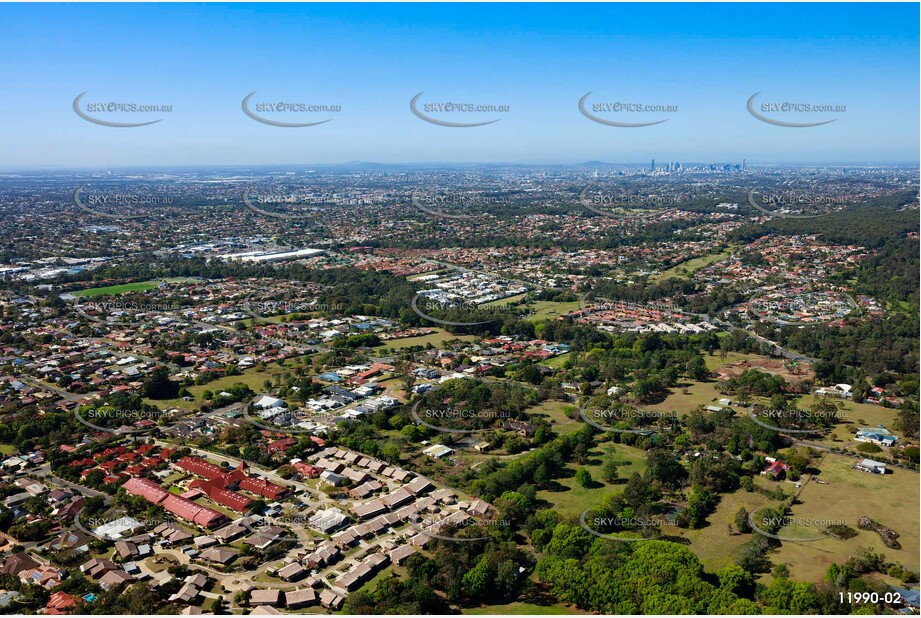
<point>743,164</point>
<point>652,166</point>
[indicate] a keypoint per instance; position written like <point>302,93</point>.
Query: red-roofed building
<point>280,446</point>
<point>237,478</point>
<point>199,466</point>
<point>60,603</point>
<point>230,499</point>
<point>262,487</point>
<point>308,471</point>
<point>777,470</point>
<point>177,505</point>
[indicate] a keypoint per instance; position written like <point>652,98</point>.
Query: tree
<point>583,477</point>
<point>610,471</point>
<point>663,467</point>
<point>697,368</point>
<point>159,386</point>
<point>741,520</point>
<point>477,581</point>
<point>735,579</point>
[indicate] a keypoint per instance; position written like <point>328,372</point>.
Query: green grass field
<point>253,377</point>
<point>684,269</point>
<point>698,394</point>
<point>138,286</point>
<point>555,413</point>
<point>714,544</point>
<point>855,416</point>
<point>504,301</point>
<point>572,499</point>
<point>540,310</point>
<point>891,500</point>
<point>556,361</point>
<point>550,310</point>
<point>436,339</point>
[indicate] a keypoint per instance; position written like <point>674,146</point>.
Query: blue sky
<point>538,59</point>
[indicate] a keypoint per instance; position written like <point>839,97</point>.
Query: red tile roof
<point>177,505</point>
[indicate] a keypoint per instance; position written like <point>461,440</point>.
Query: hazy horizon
<point>548,70</point>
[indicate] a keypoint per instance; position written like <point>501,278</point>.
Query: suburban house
<point>838,390</point>
<point>878,436</point>
<point>870,466</point>
<point>776,470</point>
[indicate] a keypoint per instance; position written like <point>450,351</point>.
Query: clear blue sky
<point>539,59</point>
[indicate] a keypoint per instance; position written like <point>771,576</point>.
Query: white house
<point>265,402</point>
<point>873,467</point>
<point>438,451</point>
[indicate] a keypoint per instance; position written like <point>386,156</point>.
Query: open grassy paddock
<point>891,500</point>
<point>137,286</point>
<point>570,499</point>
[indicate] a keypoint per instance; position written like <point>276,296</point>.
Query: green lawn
<point>252,377</point>
<point>684,269</point>
<point>573,499</point>
<point>504,301</point>
<point>550,310</point>
<point>556,361</point>
<point>891,499</point>
<point>555,412</point>
<point>714,544</point>
<point>137,286</point>
<point>854,416</point>
<point>540,310</point>
<point>436,339</point>
<point>681,402</point>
